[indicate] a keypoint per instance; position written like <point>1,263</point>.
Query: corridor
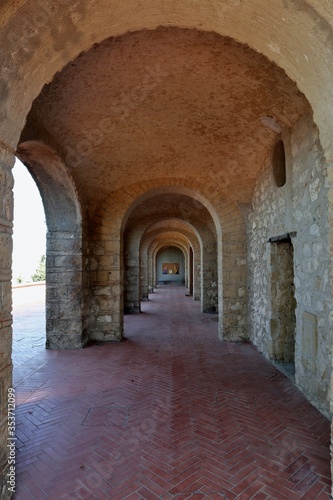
<point>171,412</point>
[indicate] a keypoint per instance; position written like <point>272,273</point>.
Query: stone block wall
<point>65,291</point>
<point>301,207</point>
<point>233,302</point>
<point>106,286</point>
<point>283,303</point>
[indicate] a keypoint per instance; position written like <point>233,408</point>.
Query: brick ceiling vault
<point>171,229</point>
<point>128,94</point>
<point>168,233</point>
<point>151,122</point>
<point>139,91</point>
<point>294,35</point>
<point>167,103</point>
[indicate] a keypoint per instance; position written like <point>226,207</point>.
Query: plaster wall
<point>170,255</point>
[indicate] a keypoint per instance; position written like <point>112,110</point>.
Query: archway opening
<point>283,305</point>
<point>159,206</point>
<point>65,293</point>
<point>28,278</point>
<point>170,266</point>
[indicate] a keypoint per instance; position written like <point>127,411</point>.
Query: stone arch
<point>171,243</point>
<point>164,229</point>
<point>106,265</point>
<point>302,56</point>
<point>166,241</point>
<point>176,186</point>
<point>162,206</point>
<point>177,240</point>
<point>176,244</point>
<point>64,270</point>
<point>57,189</point>
<point>188,242</point>
<point>298,39</point>
<point>193,233</point>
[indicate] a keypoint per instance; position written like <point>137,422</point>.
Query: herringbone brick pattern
<point>170,413</point>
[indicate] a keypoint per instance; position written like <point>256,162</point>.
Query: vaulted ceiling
<point>166,103</point>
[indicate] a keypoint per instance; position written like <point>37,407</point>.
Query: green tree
<point>20,279</point>
<point>40,273</point>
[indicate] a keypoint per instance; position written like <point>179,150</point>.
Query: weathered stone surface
<point>294,208</point>
<point>131,104</point>
<point>283,303</point>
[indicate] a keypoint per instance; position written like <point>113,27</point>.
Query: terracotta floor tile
<point>171,413</point>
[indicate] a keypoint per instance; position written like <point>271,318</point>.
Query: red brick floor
<point>172,412</point>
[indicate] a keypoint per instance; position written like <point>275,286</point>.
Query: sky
<point>29,236</point>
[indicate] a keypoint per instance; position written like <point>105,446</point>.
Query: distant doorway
<point>170,267</point>
<point>283,319</point>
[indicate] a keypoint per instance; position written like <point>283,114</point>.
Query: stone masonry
<point>153,124</point>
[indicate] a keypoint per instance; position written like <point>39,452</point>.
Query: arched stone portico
<point>284,55</point>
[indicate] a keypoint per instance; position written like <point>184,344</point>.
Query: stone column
<point>6,224</point>
<point>186,264</point>
<point>190,271</point>
<point>233,324</point>
<point>106,286</point>
<point>196,273</point>
<point>132,273</point>
<point>106,282</point>
<point>209,283</point>
<point>144,278</point>
<point>65,328</point>
<point>151,272</point>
